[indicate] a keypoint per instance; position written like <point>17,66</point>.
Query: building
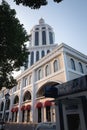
<point>48,65</point>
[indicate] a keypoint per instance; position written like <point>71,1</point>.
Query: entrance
<point>73,122</point>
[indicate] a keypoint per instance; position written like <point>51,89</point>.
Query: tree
<point>13,51</point>
<point>34,4</point>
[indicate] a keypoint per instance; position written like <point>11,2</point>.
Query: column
<point>33,97</point>
<point>20,101</point>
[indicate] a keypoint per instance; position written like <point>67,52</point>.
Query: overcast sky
<point>68,19</point>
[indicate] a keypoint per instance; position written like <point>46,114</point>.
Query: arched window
<point>80,67</point>
<point>7,104</point>
<point>43,38</point>
<point>37,55</point>
<point>2,106</point>
<point>32,58</point>
<point>55,65</point>
<point>30,79</point>
<point>47,70</point>
<point>50,37</point>
<point>36,38</point>
<point>73,64</point>
<point>39,74</point>
<point>42,53</point>
<point>16,99</point>
<point>27,96</point>
<point>26,64</point>
<point>48,51</point>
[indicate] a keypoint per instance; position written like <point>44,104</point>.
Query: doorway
<point>73,121</point>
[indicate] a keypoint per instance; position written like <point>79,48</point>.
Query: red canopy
<point>22,108</point>
<point>28,107</point>
<point>39,105</point>
<point>47,103</point>
<point>14,109</point>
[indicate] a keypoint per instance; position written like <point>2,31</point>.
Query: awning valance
<point>47,103</point>
<point>14,109</point>
<point>22,108</point>
<point>39,105</point>
<point>27,107</point>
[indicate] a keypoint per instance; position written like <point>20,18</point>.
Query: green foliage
<point>13,52</point>
<point>34,4</point>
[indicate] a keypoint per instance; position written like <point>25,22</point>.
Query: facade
<point>48,65</point>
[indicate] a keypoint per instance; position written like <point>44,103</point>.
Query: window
<point>47,70</point>
<point>39,115</point>
<point>86,68</point>
<point>30,78</point>
<point>16,99</point>
<point>26,64</point>
<point>43,38</point>
<point>39,74</point>
<point>43,28</point>
<point>48,51</point>
<point>27,96</point>
<point>36,28</point>
<point>50,37</point>
<point>36,38</point>
<point>42,53</point>
<point>2,106</point>
<point>80,67</point>
<point>73,64</point>
<point>32,58</point>
<point>25,81</point>
<point>48,113</point>
<point>55,65</point>
<point>37,55</point>
<point>7,105</point>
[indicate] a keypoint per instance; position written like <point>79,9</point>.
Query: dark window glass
<point>42,53</point>
<point>2,106</point>
<point>37,55</point>
<point>48,113</point>
<point>27,96</point>
<point>80,67</point>
<point>47,70</point>
<point>7,104</point>
<point>28,115</point>
<point>39,114</point>
<point>16,99</point>
<point>48,51</point>
<point>39,74</point>
<point>51,37</point>
<point>36,38</point>
<point>26,64</point>
<point>55,64</point>
<point>32,58</point>
<point>73,64</point>
<point>43,38</point>
<point>43,28</point>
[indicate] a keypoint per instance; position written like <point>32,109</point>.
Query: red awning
<point>39,105</point>
<point>14,109</point>
<point>22,108</point>
<point>47,103</point>
<point>28,107</point>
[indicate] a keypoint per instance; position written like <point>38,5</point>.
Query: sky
<point>68,19</point>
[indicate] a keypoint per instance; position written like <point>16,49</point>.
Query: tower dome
<point>41,21</point>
